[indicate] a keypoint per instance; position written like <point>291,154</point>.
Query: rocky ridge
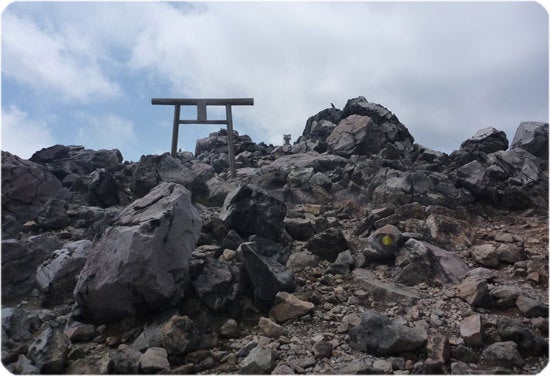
<point>355,250</point>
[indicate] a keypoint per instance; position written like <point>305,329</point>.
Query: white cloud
<point>22,135</point>
<point>106,131</point>
<point>61,63</point>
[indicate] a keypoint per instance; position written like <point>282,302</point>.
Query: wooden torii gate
<point>203,119</point>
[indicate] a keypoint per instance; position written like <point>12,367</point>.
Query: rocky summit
<point>355,250</point>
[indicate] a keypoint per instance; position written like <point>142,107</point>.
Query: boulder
<point>383,243</point>
<point>56,277</point>
<point>81,332</point>
<point>356,135</point>
<point>531,307</point>
<point>487,140</point>
<point>475,291</point>
<point>327,244</point>
<point>153,360</point>
<point>141,262</point>
<point>266,275</point>
<point>486,255</point>
<point>504,354</point>
<point>532,136</point>
<point>249,212</point>
<point>178,335</point>
<point>384,291</point>
<point>102,189</point>
<point>20,260</point>
<point>26,188</point>
<point>343,263</point>
<point>299,228</point>
<point>125,360</point>
<point>529,343</point>
<point>287,307</point>
<point>49,350</point>
<point>270,328</point>
<point>381,336</point>
<point>218,284</point>
<point>471,330</point>
<point>18,324</point>
<point>230,329</point>
<point>259,361</point>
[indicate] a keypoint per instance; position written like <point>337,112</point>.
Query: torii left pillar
<point>202,118</point>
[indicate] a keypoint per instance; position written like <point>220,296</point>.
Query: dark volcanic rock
<point>487,140</point>
<point>56,277</point>
<point>26,188</point>
<point>20,260</point>
<point>218,283</point>
<point>141,262</point>
<point>532,136</point>
<point>266,275</point>
<point>249,212</point>
<point>356,135</point>
<point>378,335</point>
<point>327,244</point>
<point>49,351</point>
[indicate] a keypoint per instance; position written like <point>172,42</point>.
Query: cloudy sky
<point>84,73</point>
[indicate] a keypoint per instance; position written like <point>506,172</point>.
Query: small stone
<point>154,360</point>
<point>504,238</point>
<point>475,291</point>
<point>287,306</point>
<point>100,329</point>
<point>228,254</point>
<point>259,361</point>
<point>81,333</point>
<point>282,369</point>
<point>230,329</point>
<point>381,366</point>
<point>322,349</point>
<point>176,334</point>
<point>271,328</point>
<point>485,255</point>
<point>470,330</point>
<point>112,341</point>
<point>439,348</point>
<point>125,360</point>
<point>533,277</point>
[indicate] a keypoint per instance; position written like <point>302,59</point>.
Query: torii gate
<point>202,118</point>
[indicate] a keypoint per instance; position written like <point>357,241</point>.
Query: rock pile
<point>355,250</point>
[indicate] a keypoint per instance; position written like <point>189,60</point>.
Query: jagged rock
<point>510,253</point>
<point>486,255</point>
<point>49,350</point>
<point>383,244</point>
<point>384,291</point>
<point>464,354</point>
<point>23,366</point>
<point>487,140</point>
<point>322,349</point>
<point>505,296</point>
<point>471,330</point>
<point>270,248</point>
<point>271,328</point>
<point>56,277</point>
<point>319,126</point>
<point>102,189</point>
<point>250,211</point>
<point>178,335</point>
<point>18,324</point>
<point>529,343</point>
<point>26,188</point>
<point>356,135</point>
<point>267,275</point>
<point>54,215</point>
<point>232,240</point>
<point>420,261</point>
<point>20,260</point>
<point>153,169</point>
<point>451,231</point>
<point>287,307</point>
<point>327,244</point>
<point>258,361</point>
<point>300,260</point>
<point>218,284</point>
<point>533,137</point>
<point>531,307</point>
<point>151,335</point>
<point>343,263</point>
<point>282,369</point>
<point>154,360</point>
<point>378,335</point>
<point>475,291</point>
<point>299,228</point>
<point>230,329</point>
<point>439,348</point>
<point>81,333</point>
<point>141,262</point>
<point>503,354</point>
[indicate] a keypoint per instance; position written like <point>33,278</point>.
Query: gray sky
<point>84,73</point>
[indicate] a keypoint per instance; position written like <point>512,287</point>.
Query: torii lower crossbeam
<point>202,118</point>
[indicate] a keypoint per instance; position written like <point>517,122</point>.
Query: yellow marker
<point>386,240</point>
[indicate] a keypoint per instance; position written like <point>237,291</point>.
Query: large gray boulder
<point>20,258</point>
<point>56,277</point>
<point>251,212</point>
<point>26,188</point>
<point>379,335</point>
<point>141,262</point>
<point>532,136</point>
<point>356,135</point>
<point>487,140</point>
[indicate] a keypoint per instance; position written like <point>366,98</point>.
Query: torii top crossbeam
<point>202,118</point>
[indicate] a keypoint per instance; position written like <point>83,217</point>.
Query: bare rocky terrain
<point>353,251</point>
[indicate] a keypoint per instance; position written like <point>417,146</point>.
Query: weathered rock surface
<point>218,284</point>
<point>532,136</point>
<point>141,262</point>
<point>487,140</point>
<point>49,351</point>
<point>378,335</point>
